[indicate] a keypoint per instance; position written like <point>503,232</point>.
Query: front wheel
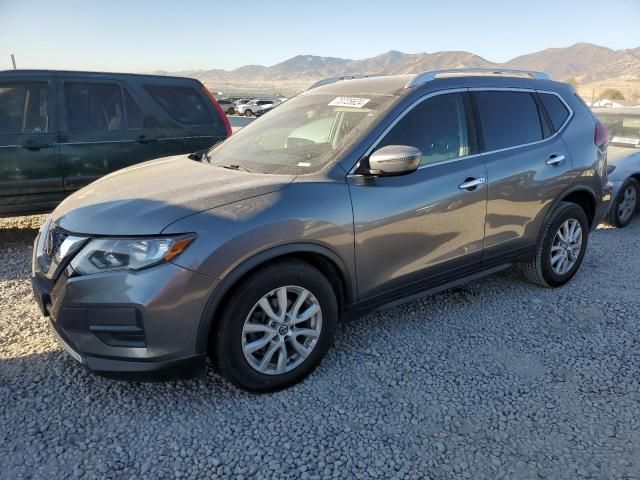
<point>561,247</point>
<point>276,327</point>
<point>248,113</point>
<point>625,204</point>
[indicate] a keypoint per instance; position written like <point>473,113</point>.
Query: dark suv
<point>351,196</point>
<point>59,131</point>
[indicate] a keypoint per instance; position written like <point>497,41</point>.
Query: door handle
<point>144,139</point>
<point>555,160</point>
<point>36,146</point>
<point>471,184</point>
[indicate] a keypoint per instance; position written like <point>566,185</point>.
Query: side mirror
<point>394,160</point>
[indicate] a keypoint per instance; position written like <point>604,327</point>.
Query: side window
<point>93,107</point>
<point>508,119</point>
<point>134,114</point>
<point>184,104</point>
<point>437,126</point>
<point>23,108</point>
<point>555,108</point>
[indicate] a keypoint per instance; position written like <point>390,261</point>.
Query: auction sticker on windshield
<point>349,102</point>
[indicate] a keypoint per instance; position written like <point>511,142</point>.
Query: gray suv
<point>357,194</point>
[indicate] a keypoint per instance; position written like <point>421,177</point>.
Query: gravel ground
<point>498,379</point>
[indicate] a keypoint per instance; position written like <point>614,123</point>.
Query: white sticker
<point>354,102</point>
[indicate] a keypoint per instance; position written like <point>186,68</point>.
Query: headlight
<point>107,254</point>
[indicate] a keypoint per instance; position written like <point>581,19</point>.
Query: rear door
<point>191,120</point>
<point>103,128</point>
<point>30,177</point>
<point>528,165</point>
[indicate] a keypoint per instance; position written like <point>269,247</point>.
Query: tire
<point>231,342</point>
<point>248,113</point>
<point>230,111</point>
<point>540,269</point>
<point>625,204</point>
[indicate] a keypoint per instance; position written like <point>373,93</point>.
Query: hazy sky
<point>196,34</point>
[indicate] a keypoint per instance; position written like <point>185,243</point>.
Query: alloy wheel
<point>627,204</point>
<point>281,330</point>
<point>566,246</point>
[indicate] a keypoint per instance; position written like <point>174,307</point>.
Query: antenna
<point>13,60</point>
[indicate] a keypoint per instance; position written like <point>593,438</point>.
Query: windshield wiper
<point>204,153</point>
<point>238,168</point>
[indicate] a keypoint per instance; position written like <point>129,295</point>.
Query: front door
<point>103,129</point>
<point>30,178</point>
<point>414,227</point>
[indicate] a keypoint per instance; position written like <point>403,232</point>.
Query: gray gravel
<point>498,379</point>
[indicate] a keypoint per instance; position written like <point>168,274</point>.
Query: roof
<point>400,84</point>
<point>377,85</point>
<point>18,72</point>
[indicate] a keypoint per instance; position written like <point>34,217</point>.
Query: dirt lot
<point>497,379</point>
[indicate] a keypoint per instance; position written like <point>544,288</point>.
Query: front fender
<point>306,217</point>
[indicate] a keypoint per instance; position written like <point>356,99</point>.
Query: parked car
<point>242,101</point>
<point>254,106</point>
<point>226,105</point>
<point>60,131</point>
<point>358,194</point>
<point>259,113</point>
<point>624,162</point>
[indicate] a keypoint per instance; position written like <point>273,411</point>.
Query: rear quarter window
<point>556,109</point>
<point>183,104</point>
<point>508,119</point>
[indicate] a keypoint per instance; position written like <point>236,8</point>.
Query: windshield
<point>302,135</point>
<point>623,127</point>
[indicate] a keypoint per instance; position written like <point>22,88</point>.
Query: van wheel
<point>561,247</point>
<point>248,113</point>
<point>276,327</point>
<point>625,204</point>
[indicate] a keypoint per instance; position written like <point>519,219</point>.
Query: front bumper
<point>128,321</point>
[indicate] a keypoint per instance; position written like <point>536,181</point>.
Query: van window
<point>134,114</point>
<point>437,126</point>
<point>508,119</point>
<point>184,104</point>
<point>23,108</point>
<point>555,108</point>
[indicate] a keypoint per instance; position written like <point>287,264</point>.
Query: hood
<point>146,198</point>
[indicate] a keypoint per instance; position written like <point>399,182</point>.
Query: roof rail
<point>425,77</point>
<point>327,81</point>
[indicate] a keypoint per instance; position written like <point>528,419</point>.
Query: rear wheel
<point>276,328</point>
<point>248,113</point>
<point>230,111</point>
<point>625,204</point>
<point>561,248</point>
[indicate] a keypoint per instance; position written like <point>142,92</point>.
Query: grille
<point>53,242</point>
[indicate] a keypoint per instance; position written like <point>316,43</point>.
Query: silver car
<point>624,162</point>
<point>355,195</point>
<point>254,106</point>
<point>226,105</point>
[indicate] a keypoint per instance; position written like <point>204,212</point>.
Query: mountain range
<point>586,64</point>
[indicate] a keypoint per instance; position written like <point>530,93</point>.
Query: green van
<point>61,130</point>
